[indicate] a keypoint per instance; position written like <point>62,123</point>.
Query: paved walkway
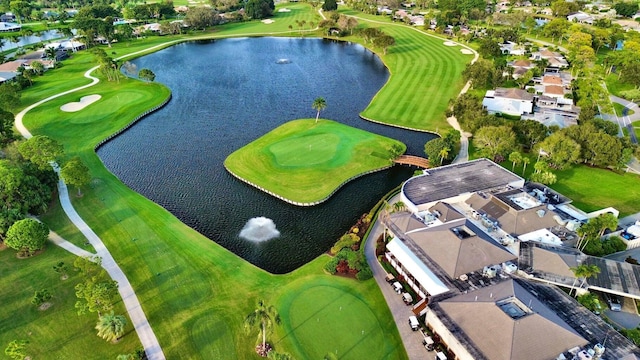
<point>412,340</point>
<point>136,314</point>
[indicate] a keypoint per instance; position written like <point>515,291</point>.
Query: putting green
<point>326,319</point>
<point>304,162</point>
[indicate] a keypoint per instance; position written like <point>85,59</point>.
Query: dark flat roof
<point>452,180</point>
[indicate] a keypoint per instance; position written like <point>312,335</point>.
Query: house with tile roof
<point>554,59</point>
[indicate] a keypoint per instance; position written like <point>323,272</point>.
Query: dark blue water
<point>226,94</point>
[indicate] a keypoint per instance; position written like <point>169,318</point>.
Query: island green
<point>305,162</point>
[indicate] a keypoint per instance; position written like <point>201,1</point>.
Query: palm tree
<point>264,318</point>
<point>50,52</point>
<point>399,206</point>
<point>525,161</point>
<point>444,153</point>
<point>319,104</point>
<point>515,158</point>
<point>584,271</point>
<point>111,327</point>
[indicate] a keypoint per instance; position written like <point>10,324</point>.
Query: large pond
<point>226,93</point>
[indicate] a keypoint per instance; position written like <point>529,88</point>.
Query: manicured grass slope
<point>304,161</point>
<point>58,332</point>
<point>425,76</point>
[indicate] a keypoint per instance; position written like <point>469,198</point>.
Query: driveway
<point>412,340</point>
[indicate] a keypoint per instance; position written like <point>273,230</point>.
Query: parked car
<point>440,356</point>
<point>390,278</point>
<point>407,298</point>
<point>397,287</point>
<point>614,303</point>
<point>428,343</point>
<point>413,322</point>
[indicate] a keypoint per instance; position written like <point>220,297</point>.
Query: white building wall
<point>452,343</point>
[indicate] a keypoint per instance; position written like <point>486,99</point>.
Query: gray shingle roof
<point>533,332</point>
<point>452,180</point>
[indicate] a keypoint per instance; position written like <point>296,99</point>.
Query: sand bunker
<point>268,21</point>
<point>79,105</point>
<point>466,51</point>
<point>284,10</point>
<point>449,43</point>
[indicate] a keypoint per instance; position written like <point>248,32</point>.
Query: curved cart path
<point>134,309</point>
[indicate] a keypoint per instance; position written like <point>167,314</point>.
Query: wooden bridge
<point>412,160</point>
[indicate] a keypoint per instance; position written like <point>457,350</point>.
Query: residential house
<point>11,69</point>
<point>512,48</point>
<point>417,20</point>
<point>554,111</point>
<point>7,17</point>
<point>520,67</point>
<point>9,27</point>
<point>554,59</point>
<point>580,17</point>
<point>508,101</point>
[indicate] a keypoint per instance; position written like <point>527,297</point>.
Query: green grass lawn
<point>58,332</point>
<point>326,315</point>
<point>592,188</point>
<point>619,108</point>
<point>425,75</point>
<point>305,162</point>
<point>615,86</point>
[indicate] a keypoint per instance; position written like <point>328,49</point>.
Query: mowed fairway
<point>425,75</point>
<point>322,317</point>
<point>305,162</point>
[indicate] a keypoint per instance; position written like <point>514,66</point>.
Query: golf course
<point>195,293</point>
<point>289,160</point>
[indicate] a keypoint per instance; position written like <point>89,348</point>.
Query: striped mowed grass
<point>425,75</point>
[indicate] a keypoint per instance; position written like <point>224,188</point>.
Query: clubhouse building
<point>464,248</point>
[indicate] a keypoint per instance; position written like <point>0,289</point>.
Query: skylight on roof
<point>463,232</point>
<point>513,307</point>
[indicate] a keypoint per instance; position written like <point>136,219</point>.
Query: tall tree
<point>9,96</point>
<point>27,236</point>
<point>17,349</point>
<point>111,327</point>
<point>201,17</point>
<point>319,104</point>
<point>97,292</point>
<point>383,42</point>
<point>562,150</point>
<point>494,141</point>
<point>41,150</point>
<point>515,158</point>
<point>75,173</point>
<point>6,126</point>
<point>264,317</point>
<point>146,75</point>
<point>330,5</point>
<point>259,9</point>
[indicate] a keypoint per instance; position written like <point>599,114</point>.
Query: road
<point>412,340</point>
